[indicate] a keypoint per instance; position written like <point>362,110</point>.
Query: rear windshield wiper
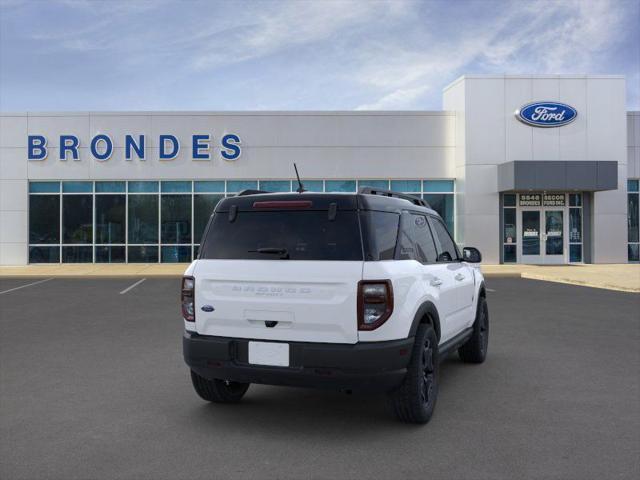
<point>284,254</point>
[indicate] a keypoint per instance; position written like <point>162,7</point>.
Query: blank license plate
<point>268,353</point>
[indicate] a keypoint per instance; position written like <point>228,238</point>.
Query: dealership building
<point>529,169</point>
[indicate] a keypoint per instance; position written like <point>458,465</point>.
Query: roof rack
<point>391,193</point>
<point>250,192</point>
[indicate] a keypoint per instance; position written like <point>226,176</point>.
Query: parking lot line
<point>132,286</point>
<point>490,290</point>
<point>25,286</point>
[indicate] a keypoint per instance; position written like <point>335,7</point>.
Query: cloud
<point>402,98</point>
<point>532,37</point>
<point>330,54</point>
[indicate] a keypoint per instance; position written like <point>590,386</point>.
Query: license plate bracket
<point>269,353</point>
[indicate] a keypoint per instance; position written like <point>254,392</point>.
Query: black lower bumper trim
<point>374,366</point>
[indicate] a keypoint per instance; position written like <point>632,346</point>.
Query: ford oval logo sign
<point>546,114</point>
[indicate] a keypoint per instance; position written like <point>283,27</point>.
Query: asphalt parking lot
<point>92,385</point>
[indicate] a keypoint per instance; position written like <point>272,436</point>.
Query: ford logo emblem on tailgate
<point>207,308</point>
<point>546,114</point>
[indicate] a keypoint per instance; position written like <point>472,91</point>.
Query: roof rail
<point>391,193</point>
<point>250,192</point>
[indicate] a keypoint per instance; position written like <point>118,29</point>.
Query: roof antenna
<point>300,188</point>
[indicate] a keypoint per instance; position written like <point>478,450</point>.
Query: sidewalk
<point>622,277</point>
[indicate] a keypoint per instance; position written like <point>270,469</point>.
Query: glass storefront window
<point>381,184</point>
<point>632,217</point>
<point>235,186</point>
<point>509,232</point>
<point>276,185</point>
<point>77,187</point>
<point>575,225</point>
<point>77,254</point>
<point>110,254</point>
<point>633,214</point>
<point>143,187</point>
<point>575,253</point>
<point>143,254</point>
<point>575,200</point>
<point>438,186</point>
<point>111,187</point>
<point>110,218</point>
<point>340,185</point>
<point>310,185</point>
<point>209,186</point>
<point>111,221</point>
<point>143,219</point>
<point>44,218</point>
<point>176,219</point>
<point>44,254</point>
<point>509,200</point>
<point>44,187</point>
<point>175,187</point>
<point>408,186</point>
<point>77,219</point>
<point>510,255</point>
<point>176,254</point>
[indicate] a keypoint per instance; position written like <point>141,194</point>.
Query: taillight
<point>187,298</point>
<point>375,303</point>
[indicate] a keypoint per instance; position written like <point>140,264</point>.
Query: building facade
<point>529,169</point>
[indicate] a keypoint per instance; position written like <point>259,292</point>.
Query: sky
<point>297,55</point>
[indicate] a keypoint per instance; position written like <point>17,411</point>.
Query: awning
<point>562,176</point>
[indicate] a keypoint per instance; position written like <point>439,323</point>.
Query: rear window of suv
<point>276,235</point>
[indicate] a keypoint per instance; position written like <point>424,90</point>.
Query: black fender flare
<point>482,291</point>
<point>426,310</point>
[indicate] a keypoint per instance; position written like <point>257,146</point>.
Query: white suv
<point>363,291</point>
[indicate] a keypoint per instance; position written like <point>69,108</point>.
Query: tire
<point>218,391</point>
<point>475,349</point>
<point>415,400</point>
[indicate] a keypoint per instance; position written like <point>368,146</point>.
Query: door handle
<point>436,282</point>
<point>459,277</point>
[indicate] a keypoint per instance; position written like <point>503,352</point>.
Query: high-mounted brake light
<point>188,299</point>
<point>375,303</point>
<point>286,204</point>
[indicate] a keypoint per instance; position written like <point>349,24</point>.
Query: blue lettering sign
<point>37,147</point>
<point>201,142</point>
<point>108,147</point>
<point>70,143</point>
<point>164,155</point>
<point>231,147</point>
<point>130,143</point>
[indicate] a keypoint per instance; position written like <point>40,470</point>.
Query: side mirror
<point>471,255</point>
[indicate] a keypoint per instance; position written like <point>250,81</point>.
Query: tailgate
<point>288,300</point>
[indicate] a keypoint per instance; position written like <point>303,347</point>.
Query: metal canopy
<point>587,176</point>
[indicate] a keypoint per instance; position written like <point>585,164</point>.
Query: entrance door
<point>553,236</point>
<point>531,236</point>
<point>542,236</point>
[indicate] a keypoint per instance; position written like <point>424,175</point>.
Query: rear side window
<point>416,242</point>
<point>447,250</point>
<point>276,235</point>
<point>425,247</point>
<point>380,233</point>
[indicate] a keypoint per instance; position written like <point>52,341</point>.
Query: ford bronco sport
<point>354,292</point>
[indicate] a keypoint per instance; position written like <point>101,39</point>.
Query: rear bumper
<point>375,366</point>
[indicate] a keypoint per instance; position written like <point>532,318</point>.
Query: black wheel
<point>415,399</point>
<point>219,391</point>
<point>475,349</point>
